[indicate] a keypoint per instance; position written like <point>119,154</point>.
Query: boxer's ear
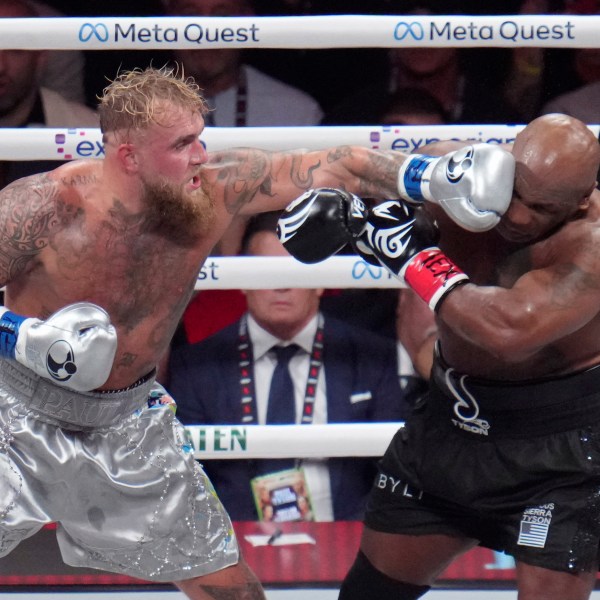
<point>128,158</point>
<point>584,203</point>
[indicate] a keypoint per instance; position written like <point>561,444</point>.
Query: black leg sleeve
<point>365,582</point>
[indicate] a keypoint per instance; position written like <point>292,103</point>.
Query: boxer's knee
<point>365,582</point>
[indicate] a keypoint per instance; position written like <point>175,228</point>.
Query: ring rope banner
<point>290,441</point>
<point>328,31</point>
<point>68,144</point>
<point>282,272</point>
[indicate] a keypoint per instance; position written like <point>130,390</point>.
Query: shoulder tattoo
<point>31,210</point>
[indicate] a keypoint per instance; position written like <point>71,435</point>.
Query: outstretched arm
<point>253,180</point>
<point>473,184</point>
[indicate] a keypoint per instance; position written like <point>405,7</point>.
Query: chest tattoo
<point>136,270</point>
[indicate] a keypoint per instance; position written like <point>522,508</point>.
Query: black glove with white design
<point>404,240</point>
<point>320,223</point>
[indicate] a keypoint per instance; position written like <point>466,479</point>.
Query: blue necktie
<point>281,407</point>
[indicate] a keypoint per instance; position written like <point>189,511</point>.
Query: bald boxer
<point>505,449</point>
<point>119,242</point>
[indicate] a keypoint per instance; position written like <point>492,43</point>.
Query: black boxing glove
<point>404,240</point>
<point>320,223</point>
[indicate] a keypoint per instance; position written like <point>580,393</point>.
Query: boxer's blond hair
<point>135,99</point>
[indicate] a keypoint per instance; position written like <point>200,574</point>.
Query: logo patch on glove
<point>390,236</point>
<point>60,361</point>
<point>290,221</point>
<point>358,209</point>
<point>459,164</point>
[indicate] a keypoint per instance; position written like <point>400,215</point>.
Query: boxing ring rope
<point>338,31</point>
<point>284,441</point>
<point>330,31</point>
<point>281,272</point>
<point>67,144</point>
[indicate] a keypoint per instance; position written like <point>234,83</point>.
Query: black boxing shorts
<point>513,465</point>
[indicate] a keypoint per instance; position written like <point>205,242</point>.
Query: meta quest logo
<point>194,33</point>
<point>427,29</point>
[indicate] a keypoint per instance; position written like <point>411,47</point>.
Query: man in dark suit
<point>353,378</point>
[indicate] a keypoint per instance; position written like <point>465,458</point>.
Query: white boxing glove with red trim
<point>404,240</point>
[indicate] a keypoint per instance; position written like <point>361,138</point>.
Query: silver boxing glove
<point>75,347</point>
<point>473,185</point>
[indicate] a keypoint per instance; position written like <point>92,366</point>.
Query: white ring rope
<point>291,441</point>
<point>281,272</point>
<point>330,31</point>
<point>67,144</point>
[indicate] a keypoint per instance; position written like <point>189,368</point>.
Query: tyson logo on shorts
<point>465,407</point>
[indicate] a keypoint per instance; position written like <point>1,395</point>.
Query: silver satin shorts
<point>117,476</point>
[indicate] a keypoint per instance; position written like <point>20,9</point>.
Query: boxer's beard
<point>181,216</point>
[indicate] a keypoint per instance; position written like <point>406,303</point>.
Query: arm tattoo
<point>243,173</point>
<point>377,175</point>
<point>303,181</point>
<point>338,153</point>
<point>381,176</point>
<point>30,211</point>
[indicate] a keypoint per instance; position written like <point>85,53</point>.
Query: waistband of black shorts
<point>60,406</point>
<point>518,408</point>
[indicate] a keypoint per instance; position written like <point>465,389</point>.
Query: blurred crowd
<point>522,82</point>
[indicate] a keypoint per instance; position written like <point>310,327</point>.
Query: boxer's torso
<point>489,260</point>
<point>95,248</point>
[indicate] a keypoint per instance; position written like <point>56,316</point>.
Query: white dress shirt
<point>270,103</point>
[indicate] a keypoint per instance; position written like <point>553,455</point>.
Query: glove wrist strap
<point>431,274</point>
<point>414,176</point>
<point>9,332</point>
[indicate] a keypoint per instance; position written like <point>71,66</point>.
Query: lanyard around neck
<point>241,99</point>
<point>246,370</point>
<point>241,103</point>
